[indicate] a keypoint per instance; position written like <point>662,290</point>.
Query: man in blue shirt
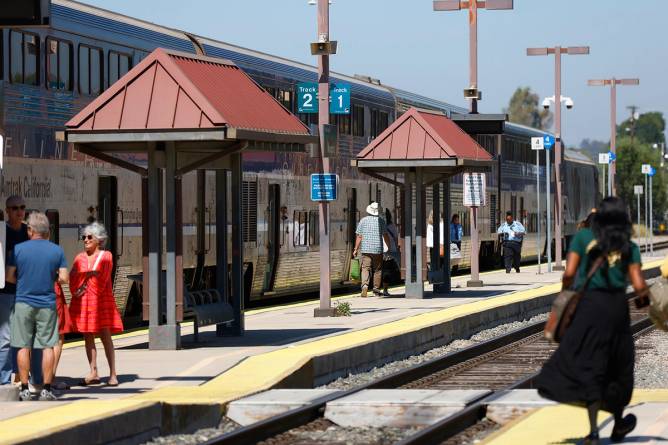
<point>34,266</point>
<point>513,234</point>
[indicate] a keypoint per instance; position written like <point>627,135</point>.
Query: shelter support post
<point>408,230</point>
<point>446,286</point>
<point>475,280</point>
<point>416,288</point>
<point>222,280</point>
<point>237,297</point>
<point>435,255</point>
<point>440,265</point>
<point>155,281</point>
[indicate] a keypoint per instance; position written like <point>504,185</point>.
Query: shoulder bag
<point>81,290</point>
<point>658,303</point>
<point>564,306</point>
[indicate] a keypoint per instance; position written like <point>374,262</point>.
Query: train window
<point>24,58</point>
<point>379,122</point>
<point>343,123</point>
<point>299,228</point>
<point>285,98</point>
<point>119,64</point>
<point>249,211</point>
<point>358,120</point>
<point>313,228</point>
<point>466,224</point>
<point>58,65</point>
<point>513,206</point>
<point>54,225</point>
<point>90,70</point>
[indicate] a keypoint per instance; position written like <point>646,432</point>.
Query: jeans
<point>8,363</point>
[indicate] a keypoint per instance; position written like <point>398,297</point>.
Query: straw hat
<point>373,209</point>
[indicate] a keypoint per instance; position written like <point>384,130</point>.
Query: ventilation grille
<point>249,210</point>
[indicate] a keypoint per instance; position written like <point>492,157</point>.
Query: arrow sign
<point>613,157</point>
<point>652,171</point>
<point>548,141</point>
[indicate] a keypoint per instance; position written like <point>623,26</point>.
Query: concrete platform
<point>508,405</point>
<point>400,408</point>
<point>568,425</point>
<point>9,393</point>
<point>284,347</point>
<point>270,403</point>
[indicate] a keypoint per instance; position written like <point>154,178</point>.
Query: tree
<point>648,128</point>
<point>524,109</point>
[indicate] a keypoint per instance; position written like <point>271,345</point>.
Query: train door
<point>352,217</point>
<point>107,211</point>
<point>273,236</point>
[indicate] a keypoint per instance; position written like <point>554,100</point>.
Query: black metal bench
<point>205,307</point>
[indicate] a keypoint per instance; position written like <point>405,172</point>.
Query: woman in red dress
<point>93,308</point>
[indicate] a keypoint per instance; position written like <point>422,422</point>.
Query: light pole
<point>557,51</point>
<point>612,169</point>
<point>663,150</point>
<point>322,48</point>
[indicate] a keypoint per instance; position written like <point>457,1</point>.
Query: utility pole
<point>473,94</point>
<point>558,215</point>
<point>322,48</point>
<point>613,82</point>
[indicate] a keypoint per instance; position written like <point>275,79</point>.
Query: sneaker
<point>46,396</point>
<point>365,289</point>
<point>24,395</point>
<point>517,269</point>
<point>628,423</point>
<point>377,292</point>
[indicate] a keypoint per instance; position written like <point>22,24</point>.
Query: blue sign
<point>652,171</point>
<point>339,98</point>
<point>307,97</point>
<point>324,187</point>
<point>612,156</point>
<point>548,141</point>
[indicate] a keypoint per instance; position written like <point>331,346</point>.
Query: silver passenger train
<point>48,75</point>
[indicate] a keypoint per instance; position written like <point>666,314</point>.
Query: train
<point>49,74</point>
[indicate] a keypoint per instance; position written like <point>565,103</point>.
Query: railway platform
<point>172,391</point>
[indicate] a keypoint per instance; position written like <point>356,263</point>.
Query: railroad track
<point>507,362</point>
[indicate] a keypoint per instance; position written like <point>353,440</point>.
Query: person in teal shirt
<point>593,366</point>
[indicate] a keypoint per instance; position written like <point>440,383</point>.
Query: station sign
<point>474,189</point>
<point>339,98</point>
<point>645,169</point>
<point>604,158</point>
<point>324,187</point>
<point>548,141</point>
<point>307,97</point>
<point>537,143</point>
<point>652,171</point>
<point>613,157</point>
<point>637,189</point>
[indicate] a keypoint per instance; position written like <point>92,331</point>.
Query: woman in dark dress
<point>593,366</point>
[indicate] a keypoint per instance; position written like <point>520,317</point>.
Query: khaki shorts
<point>33,327</point>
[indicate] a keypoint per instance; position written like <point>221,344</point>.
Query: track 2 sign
<point>307,97</point>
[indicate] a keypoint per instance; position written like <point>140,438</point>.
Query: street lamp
<point>558,51</point>
<point>664,155</point>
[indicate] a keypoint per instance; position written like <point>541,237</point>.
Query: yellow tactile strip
<point>560,424</point>
<point>254,374</point>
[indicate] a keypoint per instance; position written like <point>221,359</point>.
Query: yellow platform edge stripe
<point>559,424</point>
<point>253,374</point>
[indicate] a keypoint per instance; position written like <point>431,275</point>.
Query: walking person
<point>34,267</point>
<point>371,232</point>
<point>593,366</point>
<point>513,234</point>
<point>93,308</point>
<point>16,232</point>
<point>456,235</point>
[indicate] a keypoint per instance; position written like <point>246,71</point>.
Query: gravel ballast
<point>651,352</point>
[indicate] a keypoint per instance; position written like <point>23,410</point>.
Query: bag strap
<point>592,270</point>
<point>97,260</point>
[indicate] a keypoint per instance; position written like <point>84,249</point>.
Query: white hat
<point>372,209</point>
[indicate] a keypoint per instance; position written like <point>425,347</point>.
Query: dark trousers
<point>512,253</point>
<point>372,266</point>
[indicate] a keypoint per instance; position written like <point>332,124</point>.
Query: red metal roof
<point>172,90</point>
<point>423,135</point>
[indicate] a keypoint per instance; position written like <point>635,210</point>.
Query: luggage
<point>355,271</point>
<point>658,304</point>
<point>564,306</point>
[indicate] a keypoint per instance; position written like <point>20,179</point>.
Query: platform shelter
<point>171,114</point>
<point>423,149</point>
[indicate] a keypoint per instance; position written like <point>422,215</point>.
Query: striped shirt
<point>371,229</point>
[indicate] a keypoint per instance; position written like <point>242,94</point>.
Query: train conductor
<point>513,234</point>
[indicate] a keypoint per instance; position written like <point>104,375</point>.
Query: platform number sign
<point>339,102</point>
<point>548,141</point>
<point>307,97</point>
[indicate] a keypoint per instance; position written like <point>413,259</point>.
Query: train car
<point>49,74</point>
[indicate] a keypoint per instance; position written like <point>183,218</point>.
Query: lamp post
<point>663,150</point>
<point>322,48</point>
<point>557,51</point>
<point>612,169</point>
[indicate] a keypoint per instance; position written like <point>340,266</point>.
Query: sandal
<point>628,423</point>
<point>591,439</point>
<point>113,385</point>
<point>84,382</point>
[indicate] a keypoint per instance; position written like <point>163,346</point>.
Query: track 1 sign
<point>339,98</point>
<point>474,189</point>
<point>324,187</point>
<point>307,97</point>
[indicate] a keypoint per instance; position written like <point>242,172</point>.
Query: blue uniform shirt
<point>512,232</point>
<point>456,232</point>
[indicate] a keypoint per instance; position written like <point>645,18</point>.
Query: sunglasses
<point>87,237</point>
<point>15,208</point>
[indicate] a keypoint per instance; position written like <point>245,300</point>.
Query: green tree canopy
<point>524,109</point>
<point>648,128</point>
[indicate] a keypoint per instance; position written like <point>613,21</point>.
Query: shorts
<point>33,327</point>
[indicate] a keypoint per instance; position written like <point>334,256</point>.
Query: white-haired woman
<point>93,308</point>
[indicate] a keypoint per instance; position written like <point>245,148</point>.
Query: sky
<point>406,44</point>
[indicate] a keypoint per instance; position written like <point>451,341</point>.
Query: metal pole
<point>473,52</point>
<point>325,309</point>
<point>638,209</point>
<point>557,159</point>
<point>609,169</point>
<point>548,200</point>
<point>613,136</point>
<point>538,206</point>
<point>651,220</point>
<point>646,203</point>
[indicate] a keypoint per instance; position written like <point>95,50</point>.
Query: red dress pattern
<point>64,322</point>
<point>96,308</point>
